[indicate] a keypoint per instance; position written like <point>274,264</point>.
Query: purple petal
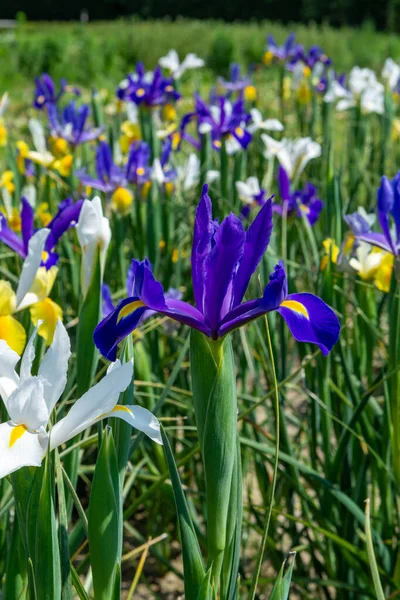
<point>27,217</point>
<point>376,239</point>
<point>10,238</point>
<point>203,232</point>
<point>311,320</point>
<point>274,294</point>
<point>283,183</point>
<point>107,304</point>
<point>67,216</point>
<point>220,267</point>
<point>385,198</point>
<point>257,239</point>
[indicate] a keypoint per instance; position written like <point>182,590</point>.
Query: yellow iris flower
<point>6,181</point>
<point>11,330</point>
<point>130,133</point>
<point>331,251</point>
<point>121,200</point>
<point>43,214</point>
<point>3,134</point>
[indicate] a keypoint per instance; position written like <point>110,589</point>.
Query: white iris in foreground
<point>30,400</point>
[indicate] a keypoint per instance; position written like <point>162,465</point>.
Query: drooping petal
<point>274,294</point>
<point>94,404</point>
<point>220,268</point>
<point>20,448</point>
<point>257,239</point>
<point>10,238</point>
<point>311,320</point>
<point>31,263</point>
<point>203,232</point>
<point>54,366</point>
<point>107,301</point>
<point>376,239</point>
<point>8,377</point>
<point>140,418</point>
<point>47,313</point>
<point>26,405</point>
<point>64,219</point>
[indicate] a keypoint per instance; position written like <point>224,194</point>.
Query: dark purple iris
<point>388,196</point>
<point>66,217</point>
<point>300,202</point>
<point>149,88</point>
<point>222,119</point>
<point>309,58</point>
<point>224,258</point>
<point>237,82</point>
<point>45,91</point>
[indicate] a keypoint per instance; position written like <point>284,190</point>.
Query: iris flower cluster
<point>224,257</point>
<point>148,88</point>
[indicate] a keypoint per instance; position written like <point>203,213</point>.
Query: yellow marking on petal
<point>306,71</point>
<point>140,171</point>
<point>120,407</point>
<point>239,131</point>
<point>217,144</point>
<point>23,148</point>
<point>305,209</point>
<point>40,99</point>
<point>16,433</point>
<point>49,312</point>
<point>383,276</point>
<point>13,333</point>
<point>3,134</point>
<point>296,307</point>
<point>129,309</point>
<point>14,220</point>
<point>176,138</point>
<point>140,93</point>
<point>161,244</point>
<point>7,298</point>
<point>175,255</point>
<point>169,187</point>
<point>169,88</point>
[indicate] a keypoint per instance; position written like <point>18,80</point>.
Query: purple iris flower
<point>223,119</point>
<point>149,88</point>
<point>110,176</point>
<point>45,91</point>
<point>283,52</point>
<point>357,223</point>
<point>66,217</point>
<point>224,257</point>
<point>309,58</point>
<point>162,171</point>
<point>322,85</point>
<point>388,196</point>
<point>299,202</point>
<point>70,124</point>
<point>237,82</point>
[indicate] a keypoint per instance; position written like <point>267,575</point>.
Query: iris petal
<point>311,320</point>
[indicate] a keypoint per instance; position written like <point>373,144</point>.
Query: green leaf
<point>89,315</point>
<point>192,561</point>
<point>206,590</point>
<point>16,587</point>
<point>47,553</point>
<point>80,590</point>
<point>66,590</point>
<point>105,520</point>
<point>282,585</point>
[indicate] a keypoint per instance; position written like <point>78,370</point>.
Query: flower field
<point>199,315</point>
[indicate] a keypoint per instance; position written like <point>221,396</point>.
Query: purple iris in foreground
<point>67,216</point>
<point>224,257</point>
<point>388,196</point>
<point>299,202</point>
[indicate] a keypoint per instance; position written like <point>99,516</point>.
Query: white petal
<point>212,176</point>
<point>170,61</point>
<point>31,263</point>
<point>26,405</point>
<point>157,172</point>
<point>27,451</point>
<point>54,366</point>
<point>93,405</point>
<point>28,356</point>
<point>37,134</point>
<point>140,418</point>
<point>8,378</point>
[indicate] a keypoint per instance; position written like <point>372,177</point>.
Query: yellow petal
<point>13,333</point>
<point>7,298</point>
<point>48,312</point>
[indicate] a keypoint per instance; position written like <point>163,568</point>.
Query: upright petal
<point>257,239</point>
<point>283,183</point>
<point>26,223</point>
<point>220,268</point>
<point>385,197</point>
<point>28,357</point>
<point>311,320</point>
<point>26,405</point>
<point>8,377</point>
<point>66,217</point>
<point>20,448</point>
<point>95,403</point>
<point>54,366</point>
<point>202,236</point>
<point>31,263</point>
<point>10,238</point>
